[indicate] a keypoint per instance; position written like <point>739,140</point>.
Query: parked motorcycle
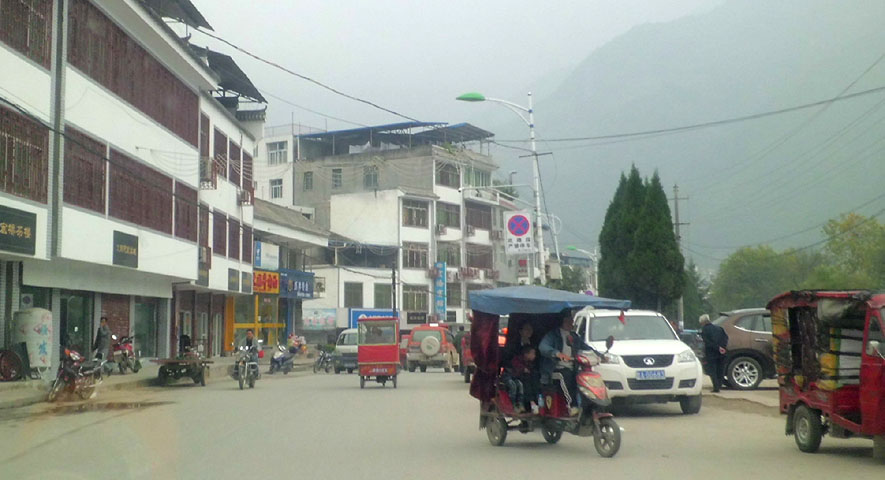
<point>323,361</point>
<point>246,368</point>
<point>76,375</point>
<point>283,360</point>
<point>124,355</point>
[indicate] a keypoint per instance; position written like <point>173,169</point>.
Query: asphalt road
<point>325,427</point>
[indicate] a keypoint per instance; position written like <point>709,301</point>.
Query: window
<point>220,153</point>
<point>755,323</point>
<point>448,215</point>
<point>104,52</point>
<point>307,182</point>
<point>277,152</point>
<point>204,135</point>
<point>24,160</point>
<point>185,212</point>
<point>479,216</point>
<point>414,213</point>
<point>383,295</point>
<point>26,25</point>
<point>453,294</point>
<point>370,176</point>
<point>448,175</point>
<point>353,295</point>
<point>276,188</point>
<point>414,255</point>
<point>336,178</point>
<point>476,177</point>
<point>449,252</point>
<point>247,244</point>
<point>139,194</point>
<point>479,256</point>
<point>85,170</point>
<point>233,242</point>
<point>219,233</point>
<point>415,298</point>
<point>204,225</point>
<point>235,167</point>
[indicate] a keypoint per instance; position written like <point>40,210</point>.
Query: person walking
<point>715,344</point>
<point>102,339</point>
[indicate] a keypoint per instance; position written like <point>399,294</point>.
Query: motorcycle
<point>246,368</point>
<point>283,360</point>
<point>124,355</point>
<point>323,361</point>
<point>77,375</point>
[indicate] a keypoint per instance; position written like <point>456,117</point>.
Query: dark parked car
<point>750,357</point>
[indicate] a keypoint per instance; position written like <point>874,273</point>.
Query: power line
<point>305,77</point>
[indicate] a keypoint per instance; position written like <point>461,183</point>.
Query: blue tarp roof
<point>531,299</point>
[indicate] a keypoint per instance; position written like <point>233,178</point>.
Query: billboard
<point>357,313</point>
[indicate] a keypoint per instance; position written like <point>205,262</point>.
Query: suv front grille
<point>639,361</point>
<point>664,384</point>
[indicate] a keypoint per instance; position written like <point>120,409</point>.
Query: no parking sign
<point>520,239</point>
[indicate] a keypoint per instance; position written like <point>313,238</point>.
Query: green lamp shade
<point>472,97</point>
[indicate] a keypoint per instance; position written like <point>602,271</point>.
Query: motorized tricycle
<point>378,350</point>
<point>829,352</point>
<point>189,364</point>
<point>543,308</point>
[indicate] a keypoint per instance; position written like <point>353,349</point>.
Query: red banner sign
<point>266,282</point>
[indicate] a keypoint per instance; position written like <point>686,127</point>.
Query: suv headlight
<point>611,358</point>
<point>686,357</point>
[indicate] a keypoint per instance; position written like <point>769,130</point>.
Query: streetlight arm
<point>514,107</point>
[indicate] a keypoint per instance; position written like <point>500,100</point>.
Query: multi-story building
<point>398,200</point>
<point>105,115</point>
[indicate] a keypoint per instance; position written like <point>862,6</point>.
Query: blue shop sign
<point>296,284</point>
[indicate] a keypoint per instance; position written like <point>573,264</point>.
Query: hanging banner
<point>267,256</point>
<point>439,290</point>
<point>520,237</point>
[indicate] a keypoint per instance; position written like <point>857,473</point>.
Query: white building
<point>104,119</point>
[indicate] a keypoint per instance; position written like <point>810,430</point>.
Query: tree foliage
<point>573,280</point>
<point>696,297</point>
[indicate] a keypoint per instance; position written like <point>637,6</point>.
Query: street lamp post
<point>594,257</point>
<point>530,121</point>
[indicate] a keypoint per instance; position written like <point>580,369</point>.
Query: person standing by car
<point>102,339</point>
<point>715,341</point>
<point>558,348</point>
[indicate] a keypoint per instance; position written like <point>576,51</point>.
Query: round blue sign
<point>518,225</point>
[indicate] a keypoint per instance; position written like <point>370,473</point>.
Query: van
<point>344,356</point>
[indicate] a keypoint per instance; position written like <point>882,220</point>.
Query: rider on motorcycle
<point>558,348</point>
<point>251,344</point>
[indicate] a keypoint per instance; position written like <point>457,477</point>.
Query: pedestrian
<point>715,344</point>
<point>102,339</point>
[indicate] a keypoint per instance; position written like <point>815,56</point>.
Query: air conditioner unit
<point>471,230</point>
<point>208,177</point>
<point>245,197</point>
<point>497,235</point>
<point>319,285</point>
<point>441,229</point>
<point>206,255</point>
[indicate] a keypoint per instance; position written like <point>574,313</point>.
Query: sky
<point>414,57</point>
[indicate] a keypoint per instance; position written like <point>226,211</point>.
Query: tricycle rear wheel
<point>362,381</point>
<point>807,429</point>
<point>496,429</point>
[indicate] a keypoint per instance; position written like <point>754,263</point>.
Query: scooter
<point>124,355</point>
<point>283,360</point>
<point>77,375</point>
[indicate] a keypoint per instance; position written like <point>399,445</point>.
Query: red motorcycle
<point>124,355</point>
<point>76,375</point>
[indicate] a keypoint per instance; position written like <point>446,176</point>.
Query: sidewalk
<point>28,392</point>
<point>766,395</point>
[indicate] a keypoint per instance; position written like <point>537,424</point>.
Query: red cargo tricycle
<point>378,350</point>
<point>830,355</point>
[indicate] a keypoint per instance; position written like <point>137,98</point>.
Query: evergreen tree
<point>617,236</point>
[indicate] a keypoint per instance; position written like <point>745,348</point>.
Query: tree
<point>752,276</point>
<point>573,280</point>
<point>696,296</point>
<point>853,255</point>
<point>617,236</point>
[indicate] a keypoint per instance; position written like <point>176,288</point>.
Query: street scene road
<point>324,426</point>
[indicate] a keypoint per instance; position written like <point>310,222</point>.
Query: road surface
<point>325,427</point>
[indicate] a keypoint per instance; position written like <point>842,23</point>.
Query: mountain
<point>769,180</point>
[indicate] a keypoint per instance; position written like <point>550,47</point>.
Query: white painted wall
<point>218,272</point>
<point>25,83</point>
<point>67,274</point>
<point>369,217</point>
<point>264,172</point>
<point>41,235</point>
<point>224,198</point>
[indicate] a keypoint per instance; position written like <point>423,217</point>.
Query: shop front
<point>295,287</point>
<point>261,311</point>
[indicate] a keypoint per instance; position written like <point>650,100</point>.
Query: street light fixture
<point>530,122</point>
<point>594,257</point>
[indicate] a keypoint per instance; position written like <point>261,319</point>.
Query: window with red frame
<point>220,153</point>
<point>26,25</point>
<point>233,243</point>
<point>247,244</point>
<point>139,194</point>
<point>219,233</point>
<point>85,171</point>
<point>234,157</point>
<point>24,160</point>
<point>185,212</point>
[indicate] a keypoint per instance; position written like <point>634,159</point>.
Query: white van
<point>344,356</point>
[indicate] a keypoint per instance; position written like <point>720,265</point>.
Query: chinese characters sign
<point>125,249</point>
<point>519,234</point>
<point>439,290</point>
<point>296,284</point>
<point>18,231</point>
<point>266,282</point>
<point>233,279</point>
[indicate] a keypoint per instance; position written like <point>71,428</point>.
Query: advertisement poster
<point>319,319</point>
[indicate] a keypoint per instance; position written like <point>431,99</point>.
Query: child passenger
<point>523,389</point>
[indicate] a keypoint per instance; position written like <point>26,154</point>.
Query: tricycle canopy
<point>531,299</point>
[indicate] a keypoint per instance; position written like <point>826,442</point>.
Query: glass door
<point>145,330</point>
<point>76,322</point>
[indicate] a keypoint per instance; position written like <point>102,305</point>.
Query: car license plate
<point>650,375</point>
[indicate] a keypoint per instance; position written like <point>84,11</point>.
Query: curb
<point>740,399</point>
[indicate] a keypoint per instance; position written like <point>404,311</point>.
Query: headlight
<point>686,357</point>
<point>611,358</point>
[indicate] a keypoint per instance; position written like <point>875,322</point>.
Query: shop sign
<point>266,282</point>
<point>357,313</point>
<point>416,318</point>
<point>247,282</point>
<point>319,319</point>
<point>125,249</point>
<point>233,279</point>
<point>296,284</point>
<point>267,256</point>
<point>439,289</point>
<point>18,231</point>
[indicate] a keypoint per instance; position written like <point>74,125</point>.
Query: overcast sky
<point>416,56</point>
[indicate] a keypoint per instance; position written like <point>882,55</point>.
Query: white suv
<point>648,363</point>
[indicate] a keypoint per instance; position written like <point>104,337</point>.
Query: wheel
<point>329,368</point>
<point>252,382</point>
<point>202,377</point>
<point>122,368</point>
<point>136,366</point>
<point>337,370</point>
<point>411,367</point>
<point>744,373</point>
<point>242,378</point>
<point>163,375</point>
<point>466,375</point>
<point>607,438</point>
<point>362,381</point>
<point>394,381</point>
<point>349,370</point>
<point>423,368</point>
<point>552,436</point>
<point>496,429</point>
<point>807,429</point>
<point>690,405</point>
<point>448,369</point>
<point>86,392</point>
<point>57,387</point>
<point>10,366</point>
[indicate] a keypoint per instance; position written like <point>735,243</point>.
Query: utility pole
<point>676,225</point>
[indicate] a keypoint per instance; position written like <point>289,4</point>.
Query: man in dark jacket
<point>715,342</point>
<point>102,339</point>
<point>558,348</point>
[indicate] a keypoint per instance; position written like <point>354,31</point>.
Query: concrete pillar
<point>4,314</point>
<point>879,447</point>
<point>56,331</point>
